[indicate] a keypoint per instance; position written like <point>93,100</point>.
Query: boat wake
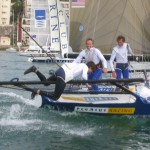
<point>17,114</point>
<point>80,132</point>
<point>18,122</point>
<point>69,114</point>
<point>19,117</point>
<point>71,130</point>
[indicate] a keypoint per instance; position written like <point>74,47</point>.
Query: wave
<point>36,103</point>
<point>18,122</point>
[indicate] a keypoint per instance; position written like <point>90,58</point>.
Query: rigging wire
<point>148,58</point>
<point>11,87</point>
<point>99,1</point>
<point>40,46</point>
<point>89,20</point>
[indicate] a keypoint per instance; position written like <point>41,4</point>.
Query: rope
<point>96,18</point>
<point>8,87</point>
<point>40,46</point>
<point>89,19</point>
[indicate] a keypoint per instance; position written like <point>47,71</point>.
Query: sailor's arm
<point>104,62</point>
<point>112,58</point>
<point>80,56</point>
<point>85,73</point>
<point>130,51</point>
<point>85,76</point>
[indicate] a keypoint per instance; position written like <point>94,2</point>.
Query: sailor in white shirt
<point>93,54</point>
<point>120,53</point>
<point>65,73</point>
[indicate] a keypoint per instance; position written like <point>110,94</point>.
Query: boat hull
<point>48,60</point>
<point>139,107</point>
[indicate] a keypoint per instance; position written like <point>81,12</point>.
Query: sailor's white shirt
<point>121,54</point>
<point>92,54</point>
<point>73,70</point>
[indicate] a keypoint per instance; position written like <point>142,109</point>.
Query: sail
<point>66,7</point>
<point>62,29</point>
<point>39,25</point>
<point>54,25</point>
<point>104,20</point>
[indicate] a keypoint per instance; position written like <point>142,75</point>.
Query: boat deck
<point>98,99</point>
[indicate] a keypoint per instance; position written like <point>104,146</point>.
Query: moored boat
<point>49,60</point>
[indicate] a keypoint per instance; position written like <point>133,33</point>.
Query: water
<point>24,126</point>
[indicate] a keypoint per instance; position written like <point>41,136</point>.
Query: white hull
<point>32,54</point>
<point>35,53</point>
<point>49,60</point>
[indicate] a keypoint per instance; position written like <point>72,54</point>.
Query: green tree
<point>17,7</point>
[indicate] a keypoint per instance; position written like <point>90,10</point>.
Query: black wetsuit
<point>60,85</point>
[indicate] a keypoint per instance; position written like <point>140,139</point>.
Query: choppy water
<point>24,126</point>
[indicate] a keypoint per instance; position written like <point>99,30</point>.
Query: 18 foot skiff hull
<point>99,104</point>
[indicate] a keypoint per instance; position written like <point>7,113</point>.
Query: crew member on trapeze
<point>93,54</point>
<point>65,73</point>
<point>120,52</point>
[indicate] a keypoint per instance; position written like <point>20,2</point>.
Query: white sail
<point>39,25</point>
<point>54,25</point>
<point>104,20</point>
<point>62,29</point>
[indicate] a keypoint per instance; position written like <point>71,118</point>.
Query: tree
<point>18,10</point>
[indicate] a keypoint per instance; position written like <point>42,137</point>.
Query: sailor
<point>93,54</point>
<point>120,53</point>
<point>65,73</point>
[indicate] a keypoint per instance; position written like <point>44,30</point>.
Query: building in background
<point>26,22</point>
<point>104,20</point>
<point>5,28</point>
<point>5,12</point>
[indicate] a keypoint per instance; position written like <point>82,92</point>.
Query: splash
<point>36,102</point>
<point>69,114</point>
<point>15,111</point>
<point>80,132</point>
<point>19,123</point>
<point>71,130</point>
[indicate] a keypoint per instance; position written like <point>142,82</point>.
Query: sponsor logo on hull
<point>103,110</point>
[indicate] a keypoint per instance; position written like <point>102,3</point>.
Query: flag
<point>78,3</point>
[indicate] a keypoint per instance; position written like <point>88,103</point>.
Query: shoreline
<point>3,48</point>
